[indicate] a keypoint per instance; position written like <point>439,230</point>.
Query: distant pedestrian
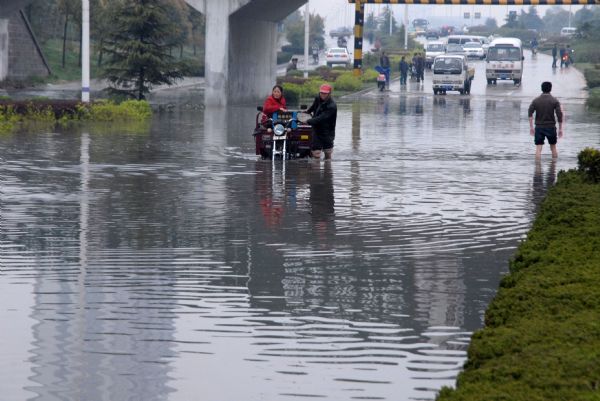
<point>420,67</point>
<point>554,55</point>
<point>292,65</point>
<point>545,107</point>
<point>403,70</point>
<point>563,59</point>
<point>384,63</point>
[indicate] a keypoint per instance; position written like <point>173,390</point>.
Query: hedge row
<point>12,113</point>
<point>541,340</point>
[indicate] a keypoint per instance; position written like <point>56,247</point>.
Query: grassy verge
<point>542,335</point>
<point>15,114</point>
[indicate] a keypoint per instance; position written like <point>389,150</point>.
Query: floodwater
<point>175,265</point>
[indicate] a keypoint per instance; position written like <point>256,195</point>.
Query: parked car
<point>338,55</point>
<point>474,49</point>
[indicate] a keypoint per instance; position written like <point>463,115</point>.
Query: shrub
<point>8,118</point>
<point>586,51</point>
<point>592,76</point>
<point>348,82</point>
<point>593,100</point>
<point>295,73</point>
<point>588,161</point>
<point>292,92</point>
<point>284,57</point>
<point>369,76</point>
<point>131,110</point>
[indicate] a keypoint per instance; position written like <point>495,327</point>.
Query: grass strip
<point>541,339</point>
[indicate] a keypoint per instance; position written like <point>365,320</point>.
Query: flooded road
<point>174,265</point>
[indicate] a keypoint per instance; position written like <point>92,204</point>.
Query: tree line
<point>135,44</point>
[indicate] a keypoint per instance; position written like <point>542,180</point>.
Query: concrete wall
<point>241,45</point>
<point>24,57</point>
<point>3,48</point>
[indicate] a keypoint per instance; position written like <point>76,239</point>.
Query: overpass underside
<point>241,47</point>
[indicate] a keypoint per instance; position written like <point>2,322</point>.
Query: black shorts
<point>545,132</point>
<point>320,142</point>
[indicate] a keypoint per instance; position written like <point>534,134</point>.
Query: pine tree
<point>139,47</point>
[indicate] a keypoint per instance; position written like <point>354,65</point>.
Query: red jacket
<point>272,105</point>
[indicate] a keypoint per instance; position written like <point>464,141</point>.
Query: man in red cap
<point>324,116</point>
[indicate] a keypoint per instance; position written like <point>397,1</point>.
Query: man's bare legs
<point>538,151</point>
<point>328,154</point>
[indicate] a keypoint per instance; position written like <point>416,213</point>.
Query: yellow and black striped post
<point>359,22</point>
<point>484,2</point>
<point>359,18</point>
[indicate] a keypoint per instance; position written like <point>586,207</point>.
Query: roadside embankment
<point>588,61</point>
<point>541,339</point>
<point>50,112</point>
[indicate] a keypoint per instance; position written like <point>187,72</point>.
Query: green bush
<point>8,118</point>
<point>541,340</point>
<point>586,51</point>
<point>593,100</point>
<point>369,76</point>
<point>588,161</point>
<point>592,76</point>
<point>129,110</point>
<point>348,82</point>
<point>292,93</point>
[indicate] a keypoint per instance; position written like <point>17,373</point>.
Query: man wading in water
<point>545,107</point>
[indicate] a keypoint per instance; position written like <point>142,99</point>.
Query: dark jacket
<point>545,106</point>
<point>403,67</point>
<point>324,117</point>
<point>384,61</point>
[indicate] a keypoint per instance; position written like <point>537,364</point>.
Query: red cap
<point>325,88</point>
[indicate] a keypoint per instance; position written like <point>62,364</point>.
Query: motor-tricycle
<point>284,135</point>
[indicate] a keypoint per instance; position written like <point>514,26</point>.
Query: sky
<point>340,13</point>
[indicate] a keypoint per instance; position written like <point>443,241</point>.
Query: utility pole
<point>306,35</point>
<point>405,26</point>
<point>85,51</point>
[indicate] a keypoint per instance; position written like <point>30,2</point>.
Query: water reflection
<point>172,262</point>
<point>542,181</point>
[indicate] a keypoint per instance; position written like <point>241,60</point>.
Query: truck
<point>452,72</point>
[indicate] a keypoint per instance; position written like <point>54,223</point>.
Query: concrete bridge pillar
<point>240,59</point>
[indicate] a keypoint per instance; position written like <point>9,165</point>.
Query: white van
<point>504,61</point>
<point>432,50</point>
<point>462,39</point>
<point>568,31</point>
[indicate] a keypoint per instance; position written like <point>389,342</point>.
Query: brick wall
<point>24,59</point>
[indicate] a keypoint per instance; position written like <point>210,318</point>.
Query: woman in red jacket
<point>275,102</point>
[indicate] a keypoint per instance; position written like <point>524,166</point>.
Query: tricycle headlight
<point>279,130</point>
